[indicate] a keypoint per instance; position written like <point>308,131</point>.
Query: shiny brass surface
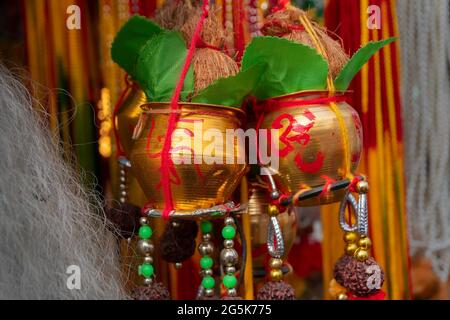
<point>127,116</point>
<point>312,146</point>
<point>126,120</point>
<point>193,186</point>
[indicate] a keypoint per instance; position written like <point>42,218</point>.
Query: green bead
<point>229,281</point>
<point>146,270</point>
<point>206,262</point>
<point>208,282</point>
<point>228,232</point>
<point>206,226</point>
<point>145,232</point>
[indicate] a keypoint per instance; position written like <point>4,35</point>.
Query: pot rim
<point>299,94</point>
<point>148,105</point>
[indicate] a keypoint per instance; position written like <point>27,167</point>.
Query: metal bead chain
<point>146,248</point>
<point>229,257</point>
<point>124,163</point>
<point>206,249</point>
<point>276,250</point>
<point>348,198</point>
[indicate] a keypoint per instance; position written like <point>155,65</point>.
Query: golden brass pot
<point>259,221</point>
<point>126,120</point>
<point>194,184</point>
<point>128,115</point>
<point>311,144</point>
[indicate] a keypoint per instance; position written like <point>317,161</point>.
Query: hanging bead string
<point>359,248</point>
<point>229,257</point>
<point>275,244</point>
<point>146,248</point>
<point>347,226</point>
<point>123,165</point>
<point>206,249</point>
<point>364,243</point>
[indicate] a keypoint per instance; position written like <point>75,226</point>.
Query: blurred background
<point>402,95</point>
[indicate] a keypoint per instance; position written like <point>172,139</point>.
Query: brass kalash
<point>194,184</point>
<point>126,119</point>
<point>312,145</point>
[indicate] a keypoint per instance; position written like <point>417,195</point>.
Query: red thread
<point>281,5</point>
<point>379,295</point>
<point>146,208</point>
<point>202,45</point>
<point>327,185</point>
<point>352,186</point>
<point>239,37</point>
<point>119,103</point>
<point>277,24</point>
<point>273,104</point>
<point>166,161</point>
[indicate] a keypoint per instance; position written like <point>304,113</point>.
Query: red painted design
<point>302,137</point>
<point>310,167</point>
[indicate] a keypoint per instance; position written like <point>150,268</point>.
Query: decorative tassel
<point>125,218</point>
<point>276,290</point>
<point>177,242</point>
<point>229,259</point>
<point>357,271</point>
<point>206,250</point>
<point>362,278</point>
<point>154,291</point>
<point>151,290</point>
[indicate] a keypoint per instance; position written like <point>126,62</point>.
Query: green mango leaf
<point>291,67</point>
<point>358,60</point>
<point>130,39</point>
<point>231,91</point>
<point>159,67</point>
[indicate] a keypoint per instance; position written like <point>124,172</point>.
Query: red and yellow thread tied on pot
<point>330,84</point>
<point>166,160</point>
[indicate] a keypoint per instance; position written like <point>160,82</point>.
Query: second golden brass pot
<point>126,120</point>
<point>128,115</point>
<point>193,186</point>
<point>311,144</point>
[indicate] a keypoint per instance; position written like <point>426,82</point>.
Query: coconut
<point>208,61</point>
<point>286,23</point>
<point>174,13</point>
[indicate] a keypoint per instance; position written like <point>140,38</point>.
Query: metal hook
<point>342,222</point>
<point>274,232</point>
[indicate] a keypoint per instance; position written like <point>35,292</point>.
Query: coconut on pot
<point>286,24</point>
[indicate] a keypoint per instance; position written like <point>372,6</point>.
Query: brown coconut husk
<point>209,62</point>
<point>210,65</point>
<point>283,24</point>
<point>174,13</point>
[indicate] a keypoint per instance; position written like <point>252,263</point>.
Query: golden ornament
<point>312,145</point>
<point>194,184</point>
<point>361,254</point>
<point>275,263</point>
<point>351,248</point>
<point>276,274</point>
<point>350,237</point>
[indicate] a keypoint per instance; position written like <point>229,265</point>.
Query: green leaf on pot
<point>358,60</point>
<point>291,67</point>
<point>130,39</point>
<point>231,91</point>
<point>159,67</point>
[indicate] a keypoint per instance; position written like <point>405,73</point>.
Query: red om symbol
<point>302,137</point>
